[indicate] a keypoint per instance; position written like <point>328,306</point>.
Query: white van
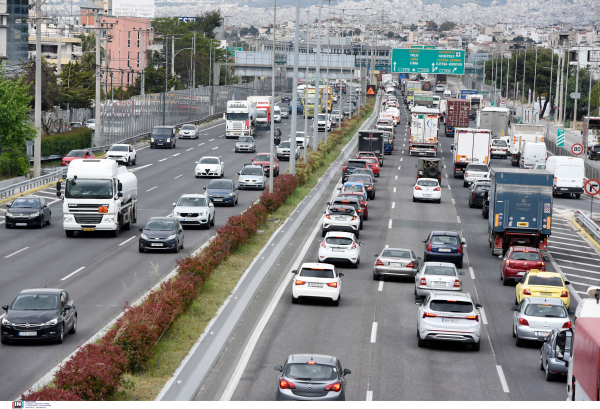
<point>569,177</point>
<point>552,161</point>
<point>276,114</point>
<point>533,152</point>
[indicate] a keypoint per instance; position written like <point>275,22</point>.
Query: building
<point>70,43</point>
<point>13,34</point>
<point>561,39</point>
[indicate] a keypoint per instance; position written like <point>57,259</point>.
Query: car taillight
<point>541,264</point>
<point>353,217</point>
<point>564,294</point>
<point>353,246</point>
<point>555,182</point>
<point>473,194</point>
<point>334,387</point>
<point>300,282</point>
<point>510,263</point>
<point>323,244</point>
<point>379,263</point>
<point>283,384</point>
<point>423,281</point>
<point>345,168</point>
<point>410,265</point>
<point>429,246</point>
<point>473,318</point>
<point>567,324</point>
<point>436,189</point>
<point>428,314</point>
<point>334,285</point>
<point>459,248</point>
<point>527,291</point>
<point>418,188</point>
<point>466,175</point>
<point>327,216</point>
<point>456,283</point>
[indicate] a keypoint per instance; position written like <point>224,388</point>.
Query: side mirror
<point>414,270</point>
<point>418,258</point>
<point>360,243</point>
<point>375,255</point>
<point>341,274</point>
<point>9,205</point>
<point>567,282</point>
<point>120,187</point>
<point>452,147</point>
<point>462,273</point>
<point>347,371</point>
<point>478,306</point>
<point>67,307</point>
<point>204,187</point>
<point>278,368</point>
<point>5,307</point>
<point>500,257</point>
<point>238,173</point>
<point>235,188</point>
<point>120,194</point>
<point>58,186</point>
<point>463,241</point>
<point>513,308</point>
<point>174,204</point>
<point>224,116</point>
<point>571,312</point>
<point>323,212</point>
<point>419,302</point>
<point>294,271</point>
<point>424,241</point>
<point>180,230</point>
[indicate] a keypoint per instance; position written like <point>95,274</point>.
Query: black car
<point>42,314</point>
<point>162,233</point>
<point>594,153</point>
<point>28,211</point>
<point>222,191</point>
<point>478,193</point>
<point>367,181</point>
<point>351,165</point>
<point>286,97</point>
<point>485,209</point>
<point>163,137</point>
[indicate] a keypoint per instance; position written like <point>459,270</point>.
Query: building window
<point>138,60</point>
<point>128,59</point>
<point>129,39</point>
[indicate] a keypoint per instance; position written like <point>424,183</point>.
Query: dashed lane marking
<point>16,252</point>
<point>374,333</point>
<point>152,188</point>
<point>161,160</point>
<point>390,224</point>
<point>73,273</point>
<point>128,240</point>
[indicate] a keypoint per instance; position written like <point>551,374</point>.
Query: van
<point>589,307</point>
<point>552,161</point>
<point>569,177</point>
<point>276,114</point>
<point>533,152</point>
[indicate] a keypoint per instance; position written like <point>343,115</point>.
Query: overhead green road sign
<point>429,47</point>
<point>428,61</point>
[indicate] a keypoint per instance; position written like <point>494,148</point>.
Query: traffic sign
<point>502,102</point>
<point>430,47</point>
<point>233,50</point>
<point>417,46</point>
<point>576,95</point>
<point>493,103</point>
<point>592,187</point>
<point>577,149</point>
<point>560,137</point>
<point>371,90</point>
<point>485,92</point>
<point>428,61</point>
<point>187,19</point>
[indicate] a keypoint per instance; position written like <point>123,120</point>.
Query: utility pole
<point>306,85</point>
<point>192,61</point>
<point>342,39</point>
<point>272,140</point>
<point>523,88</point>
<point>372,50</point>
<point>550,87</point>
<point>515,83</point>
<point>559,85</point>
<point>576,90</point>
<point>293,145</point>
<point>534,78</point>
<point>173,59</point>
<point>328,62</point>
<point>37,144</point>
<point>98,113</point>
<point>566,85</point>
<point>317,83</point>
<point>59,55</point>
<point>194,65</point>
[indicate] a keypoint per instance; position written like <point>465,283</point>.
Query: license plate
<point>439,283</point>
<point>564,188</point>
<point>521,273</point>
<point>395,264</point>
<point>336,249</point>
<point>217,200</point>
<point>160,144</point>
<point>450,320</point>
<point>426,195</point>
<point>89,229</point>
<point>28,334</point>
<point>317,285</point>
<point>444,250</point>
<point>542,333</point>
<point>21,224</point>
<point>546,294</point>
<point>339,218</point>
<point>156,244</point>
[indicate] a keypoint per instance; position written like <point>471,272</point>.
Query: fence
<point>588,224</point>
<point>591,172</point>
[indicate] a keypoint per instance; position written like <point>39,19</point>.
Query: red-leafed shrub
<point>271,201</point>
<point>259,211</point>
<point>234,236</point>
<point>248,221</point>
<point>51,395</point>
<point>284,186</point>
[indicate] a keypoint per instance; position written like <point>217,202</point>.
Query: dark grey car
<point>311,377</point>
<point>555,352</point>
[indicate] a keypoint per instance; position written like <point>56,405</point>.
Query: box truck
<point>423,131</point>
<point>240,118</point>
<point>470,145</point>
<point>457,115</point>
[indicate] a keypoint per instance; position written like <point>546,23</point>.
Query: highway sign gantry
<point>560,137</point>
<point>416,60</point>
<point>592,187</point>
<point>577,149</point>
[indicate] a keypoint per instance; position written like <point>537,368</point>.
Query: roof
<point>167,218</point>
<point>340,234</point>
<point>444,233</point>
<point>544,273</point>
<point>524,248</point>
<point>197,194</point>
<point>543,300</point>
<point>317,265</point>
<point>438,263</point>
<point>41,291</point>
<point>451,294</point>
<point>319,359</point>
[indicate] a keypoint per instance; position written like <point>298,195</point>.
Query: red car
<point>363,202</point>
<point>370,155</point>
<point>77,154</point>
<point>519,260</point>
<point>264,159</point>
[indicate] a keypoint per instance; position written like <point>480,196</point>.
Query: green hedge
<point>13,164</point>
<point>62,143</point>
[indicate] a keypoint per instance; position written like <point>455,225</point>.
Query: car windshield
<point>119,148</point>
<point>322,117</point>
<point>262,158</point>
<point>75,154</point>
<point>161,131</point>
<point>477,168</point>
<point>546,310</point>
<point>499,143</point>
<point>284,145</point>
<point>310,372</point>
<point>220,184</point>
<point>548,281</point>
<point>192,201</point>
<point>339,241</point>
<point>525,255</point>
<point>160,225</point>
<point>245,139</point>
<point>451,306</point>
<point>26,203</point>
<point>396,253</point>
<point>362,172</point>
<point>252,171</point>
<point>316,273</point>
<point>210,161</point>
<point>89,188</point>
<point>335,112</point>
<point>422,182</point>
<point>440,271</point>
<point>451,240</point>
<point>538,166</point>
<point>35,302</point>
<point>188,128</point>
<point>300,135</point>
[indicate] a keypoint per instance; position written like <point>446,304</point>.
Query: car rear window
<point>356,164</point>
<point>316,273</point>
<point>451,306</point>
<point>396,253</point>
<point>525,255</point>
<point>499,143</point>
<point>310,372</point>
<point>546,310</point>
<point>362,179</point>
<point>423,182</point>
<point>477,168</point>
<point>371,160</point>
<point>483,187</point>
<point>341,210</point>
<point>452,240</point>
<point>440,271</point>
<point>353,189</point>
<point>339,241</point>
<point>549,281</point>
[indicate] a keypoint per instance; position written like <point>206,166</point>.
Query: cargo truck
<point>470,145</point>
<point>371,141</point>
<point>423,99</point>
<point>457,115</point>
<point>264,108</point>
<point>522,133</point>
<point>99,195</point>
<point>423,131</point>
<point>240,118</point>
<point>385,78</point>
<point>520,208</point>
<point>591,131</point>
<point>497,120</point>
<point>440,79</point>
<point>583,380</point>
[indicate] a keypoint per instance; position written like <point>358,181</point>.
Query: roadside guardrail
<point>26,185</point>
<point>588,225</point>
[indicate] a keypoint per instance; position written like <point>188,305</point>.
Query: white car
<point>210,166</point>
<point>188,131</point>
<point>302,140</point>
<point>90,123</point>
<point>448,316</point>
<point>194,210</point>
<point>475,171</point>
<point>340,218</point>
<point>340,247</point>
<point>440,88</point>
<point>324,122</point>
<point>335,98</point>
<point>499,147</point>
<point>284,151</point>
<point>435,275</point>
<point>427,189</point>
<point>285,113</point>
<point>447,93</point>
<point>122,153</point>
<point>317,280</point>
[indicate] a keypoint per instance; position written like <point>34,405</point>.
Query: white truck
<point>240,119</point>
<point>476,101</point>
<point>386,78</point>
<point>264,108</point>
<point>99,195</point>
<point>495,119</point>
<point>470,145</point>
<point>522,133</point>
<point>443,107</point>
<point>423,131</point>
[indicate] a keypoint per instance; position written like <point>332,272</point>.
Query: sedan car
<point>499,148</point>
<point>395,262</point>
<point>437,276</point>
<point>252,176</point>
<point>340,247</point>
<point>27,211</point>
<point>536,317</point>
<point>122,153</point>
<point>264,159</point>
<point>90,123</point>
<point>519,260</point>
<point>555,353</point>
<point>340,218</point>
<point>284,151</point>
<point>194,210</point>
<point>222,191</point>
<point>311,377</point>
<point>76,154</point>
<point>368,182</point>
<point>42,314</point>
<point>449,316</point>
<point>188,131</point>
<point>161,233</point>
<point>210,166</point>
<point>537,283</point>
<point>245,144</point>
<point>369,156</point>
<point>475,171</point>
<point>445,246</point>
<point>477,193</point>
<point>317,281</point>
<point>427,189</point>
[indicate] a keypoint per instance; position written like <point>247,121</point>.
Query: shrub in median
<point>62,143</point>
<point>51,395</point>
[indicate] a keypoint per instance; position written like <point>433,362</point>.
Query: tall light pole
<point>305,144</point>
<point>295,92</point>
<point>37,144</point>
<point>272,143</point>
<point>317,83</point>
<point>98,112</point>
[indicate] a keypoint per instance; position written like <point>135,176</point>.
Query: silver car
<point>245,144</point>
<point>395,262</point>
<point>283,150</point>
<point>188,131</point>
<point>194,210</point>
<point>437,276</point>
<point>252,176</point>
<point>536,317</point>
<point>475,171</point>
<point>555,353</point>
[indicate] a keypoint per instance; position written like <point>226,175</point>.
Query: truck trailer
<point>457,115</point>
<point>497,120</point>
<point>470,145</point>
<point>423,131</point>
<point>522,133</point>
<point>264,108</point>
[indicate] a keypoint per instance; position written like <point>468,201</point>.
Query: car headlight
<point>108,219</point>
<point>52,322</point>
<point>168,139</point>
<point>36,214</point>
<point>171,237</point>
<point>9,214</point>
<point>151,139</point>
<point>203,213</point>
<point>242,180</point>
<point>5,321</point>
<point>68,218</point>
<point>143,236</point>
<point>231,194</point>
<point>175,213</point>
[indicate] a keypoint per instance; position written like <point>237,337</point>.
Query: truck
<point>424,131</point>
<point>386,78</point>
<point>423,99</point>
<point>457,115</point>
<point>240,118</point>
<point>440,79</point>
<point>591,131</point>
<point>411,84</point>
<point>99,195</point>
<point>496,119</point>
<point>476,102</point>
<point>371,141</point>
<point>520,208</point>
<point>327,96</point>
<point>264,108</point>
<point>311,103</point>
<point>470,145</point>
<point>583,380</point>
<point>522,133</point>
<point>443,107</point>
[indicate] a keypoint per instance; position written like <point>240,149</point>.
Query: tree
<point>77,86</point>
<point>432,25</point>
<point>88,48</point>
<point>519,39</point>
<point>390,34</point>
<point>50,94</point>
<point>248,30</point>
<point>447,26</point>
<point>413,27</point>
<point>154,81</point>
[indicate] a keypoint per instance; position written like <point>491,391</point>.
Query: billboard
<point>133,8</point>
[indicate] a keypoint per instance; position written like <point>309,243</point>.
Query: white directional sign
<point>576,95</point>
<point>592,187</point>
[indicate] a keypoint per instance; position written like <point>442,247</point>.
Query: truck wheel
<point>127,226</point>
<point>577,196</point>
<point>115,233</point>
<point>70,233</point>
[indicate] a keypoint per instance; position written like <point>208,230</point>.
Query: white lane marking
<point>578,240</point>
<point>575,262</point>
<point>401,159</point>
<point>220,136</point>
<point>390,224</point>
<point>564,248</point>
<point>472,273</point>
<point>128,240</point>
<point>402,151</point>
<point>444,166</point>
<point>16,252</point>
<point>590,258</point>
<point>584,284</point>
<point>579,269</point>
<point>163,159</point>
<point>398,167</point>
<point>394,190</point>
<point>73,273</point>
<point>216,147</point>
<point>141,167</point>
<point>380,285</point>
<point>387,246</point>
<point>152,188</point>
<point>458,218</point>
<point>449,187</point>
<point>200,144</point>
<point>210,140</point>
<point>370,393</point>
<point>453,202</point>
<point>393,205</point>
<point>187,150</point>
<point>446,175</point>
<point>374,333</point>
<point>396,178</point>
<point>558,234</point>
<point>483,317</point>
<point>585,278</point>
<point>176,177</point>
<point>177,154</point>
<point>502,379</point>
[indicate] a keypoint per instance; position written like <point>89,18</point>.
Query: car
<point>440,88</point>
<point>210,166</point>
<point>324,122</point>
<point>370,155</point>
<point>163,137</point>
<point>395,262</point>
<point>388,143</point>
<point>444,246</point>
<point>161,233</point>
<point>536,317</point>
<point>357,201</point>
<point>325,374</point>
<point>245,144</point>
<point>519,260</point>
<point>222,191</point>
<point>340,218</point>
<point>122,153</point>
<point>475,170</point>
<point>499,148</point>
<point>536,283</point>
<point>284,150</point>
<point>447,93</point>
<point>555,353</point>
<point>285,113</point>
<point>373,163</point>
<point>74,125</point>
<point>435,275</point>
<point>286,97</point>
<point>75,155</point>
<point>347,110</point>
<point>317,281</point>
<point>188,131</point>
<point>252,176</point>
<point>594,152</point>
<point>427,189</point>
<point>302,141</point>
<point>485,208</point>
<point>541,166</point>
<point>429,168</point>
<point>276,114</point>
<point>363,171</point>
<point>264,159</point>
<point>449,316</point>
<point>353,164</point>
<point>27,211</point>
<point>477,193</point>
<point>90,123</point>
<point>39,314</point>
<point>340,247</point>
<point>194,210</point>
<point>335,98</point>
<point>368,182</point>
<point>354,187</point>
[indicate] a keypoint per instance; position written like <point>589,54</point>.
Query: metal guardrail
<point>26,185</point>
<point>588,224</point>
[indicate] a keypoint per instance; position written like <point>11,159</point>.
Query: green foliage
<point>88,47</point>
<point>50,94</point>
<point>77,85</point>
<point>519,38</point>
<point>390,34</point>
<point>413,27</point>
<point>13,164</point>
<point>121,94</point>
<point>431,25</point>
<point>62,143</point>
<point>154,81</point>
<point>248,30</point>
<point>447,26</point>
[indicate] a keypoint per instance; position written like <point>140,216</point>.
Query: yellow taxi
<point>536,283</point>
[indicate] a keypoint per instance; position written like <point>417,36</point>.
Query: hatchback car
<point>395,262</point>
<point>252,176</point>
<point>555,353</point>
<point>536,317</point>
<point>449,316</point>
<point>519,260</point>
<point>312,377</point>
<point>353,164</point>
<point>245,144</point>
<point>357,201</point>
<point>354,187</point>
<point>317,281</point>
<point>264,159</point>
<point>27,211</point>
<point>188,131</point>
<point>284,151</point>
<point>194,210</point>
<point>76,154</point>
<point>368,182</point>
<point>340,247</point>
<point>161,233</point>
<point>445,246</point>
<point>437,276</point>
<point>42,314</point>
<point>537,283</point>
<point>427,189</point>
<point>222,191</point>
<point>210,166</point>
<point>477,193</point>
<point>499,148</point>
<point>475,171</point>
<point>340,218</point>
<point>369,156</point>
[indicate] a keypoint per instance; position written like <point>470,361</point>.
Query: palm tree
<point>88,46</point>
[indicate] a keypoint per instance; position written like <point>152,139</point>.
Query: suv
<point>429,168</point>
<point>324,122</point>
<point>252,176</point>
<point>163,137</point>
<point>194,210</point>
<point>351,165</point>
<point>499,148</point>
<point>284,150</point>
<point>475,171</point>
<point>594,152</point>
